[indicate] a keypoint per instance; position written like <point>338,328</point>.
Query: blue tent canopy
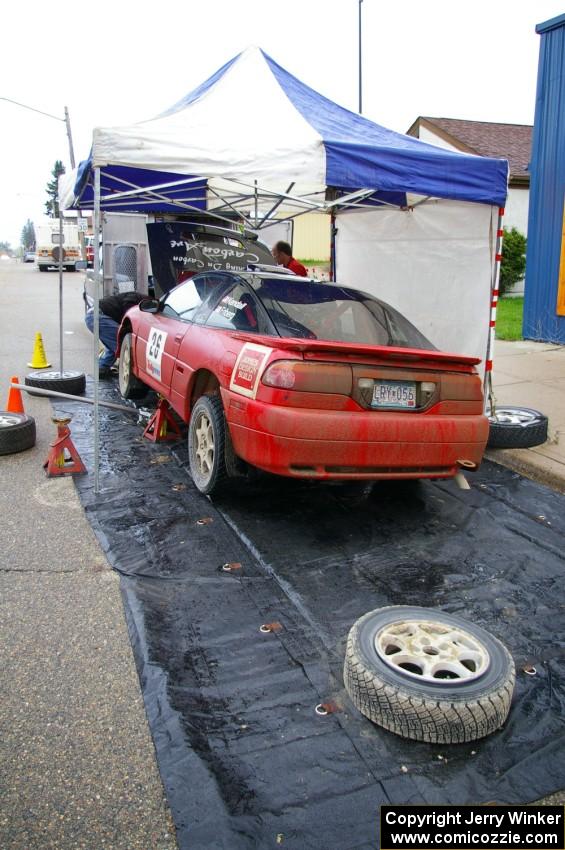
<point>294,144</point>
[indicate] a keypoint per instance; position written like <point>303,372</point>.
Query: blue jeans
<point>108,332</point>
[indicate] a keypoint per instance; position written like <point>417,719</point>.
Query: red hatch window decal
<point>248,369</point>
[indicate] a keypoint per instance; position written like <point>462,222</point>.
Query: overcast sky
<point>119,62</point>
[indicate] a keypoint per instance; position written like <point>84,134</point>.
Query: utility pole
<point>69,137</point>
<point>66,121</point>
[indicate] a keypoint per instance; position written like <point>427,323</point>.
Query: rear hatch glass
<point>180,250</point>
<point>322,311</point>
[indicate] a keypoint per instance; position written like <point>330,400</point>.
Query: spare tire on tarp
<point>428,675</point>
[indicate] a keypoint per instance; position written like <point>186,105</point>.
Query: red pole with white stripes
<point>493,306</point>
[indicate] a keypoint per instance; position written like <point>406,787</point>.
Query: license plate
<point>394,394</point>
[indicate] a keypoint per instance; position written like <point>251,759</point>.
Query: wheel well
<point>204,382</point>
<point>125,328</point>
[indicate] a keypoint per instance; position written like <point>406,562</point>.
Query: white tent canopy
<point>253,131</point>
<point>416,224</point>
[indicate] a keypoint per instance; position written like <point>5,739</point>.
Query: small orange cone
<point>38,358</point>
<point>15,403</point>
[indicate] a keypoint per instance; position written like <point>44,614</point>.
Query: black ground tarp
<point>245,759</point>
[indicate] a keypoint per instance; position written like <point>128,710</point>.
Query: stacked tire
<point>17,432</point>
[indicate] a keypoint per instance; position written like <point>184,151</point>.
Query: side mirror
<point>81,265</point>
<point>148,305</point>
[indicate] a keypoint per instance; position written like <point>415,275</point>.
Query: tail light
<point>309,377</point>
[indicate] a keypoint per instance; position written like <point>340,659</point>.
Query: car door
<point>198,347</point>
<point>163,332</point>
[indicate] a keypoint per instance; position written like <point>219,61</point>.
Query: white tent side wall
<point>434,263</point>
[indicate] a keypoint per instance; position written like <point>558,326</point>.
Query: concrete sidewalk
<point>532,374</point>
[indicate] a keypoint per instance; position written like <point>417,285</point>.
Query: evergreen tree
<point>513,265</point>
<point>28,236</point>
<point>52,188</point>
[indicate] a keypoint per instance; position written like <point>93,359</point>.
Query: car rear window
<point>323,311</point>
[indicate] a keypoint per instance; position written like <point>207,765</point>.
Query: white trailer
<point>50,248</point>
<point>124,257</point>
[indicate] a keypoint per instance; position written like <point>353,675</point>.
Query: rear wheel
<point>206,445</point>
<point>130,386</point>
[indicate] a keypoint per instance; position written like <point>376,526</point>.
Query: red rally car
<point>302,379</point>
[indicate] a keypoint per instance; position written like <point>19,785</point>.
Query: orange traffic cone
<point>38,358</point>
<point>15,403</point>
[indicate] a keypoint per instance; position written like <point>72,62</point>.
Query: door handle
<point>179,337</point>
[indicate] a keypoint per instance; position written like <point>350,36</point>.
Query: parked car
<point>302,379</point>
<point>29,257</point>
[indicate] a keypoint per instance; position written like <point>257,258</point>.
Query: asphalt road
<point>78,763</point>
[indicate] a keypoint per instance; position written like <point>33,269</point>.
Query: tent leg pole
<point>96,329</point>
<point>489,399</point>
<point>333,231</point>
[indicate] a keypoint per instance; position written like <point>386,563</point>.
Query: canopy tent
<point>252,135</point>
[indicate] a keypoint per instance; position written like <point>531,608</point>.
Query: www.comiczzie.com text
<point>472,827</point>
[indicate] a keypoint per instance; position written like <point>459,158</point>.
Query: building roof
<point>509,141</point>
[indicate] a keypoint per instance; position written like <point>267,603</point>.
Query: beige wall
<point>312,237</point>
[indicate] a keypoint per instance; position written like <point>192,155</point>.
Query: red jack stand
<point>63,458</point>
<point>158,426</point>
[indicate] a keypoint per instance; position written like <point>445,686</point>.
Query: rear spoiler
<point>318,346</point>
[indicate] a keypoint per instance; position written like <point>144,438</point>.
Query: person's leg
<point>108,333</point>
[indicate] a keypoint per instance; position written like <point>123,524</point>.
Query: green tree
<point>513,263</point>
<point>5,248</point>
<point>52,188</point>
<point>28,236</point>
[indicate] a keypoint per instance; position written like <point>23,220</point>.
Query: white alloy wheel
<point>428,675</point>
<point>430,651</point>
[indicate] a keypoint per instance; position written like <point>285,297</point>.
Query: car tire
<point>42,268</point>
<point>516,428</point>
<point>130,386</point>
<point>70,383</point>
<point>410,694</point>
<point>17,432</point>
<point>58,252</point>
<point>206,445</point>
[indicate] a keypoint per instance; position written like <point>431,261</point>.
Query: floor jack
<point>162,425</point>
<point>63,458</point>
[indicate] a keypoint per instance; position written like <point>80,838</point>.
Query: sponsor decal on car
<point>248,369</point>
<point>155,347</point>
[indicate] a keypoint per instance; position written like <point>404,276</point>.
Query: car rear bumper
<point>361,445</point>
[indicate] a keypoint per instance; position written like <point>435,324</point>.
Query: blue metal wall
<point>547,189</point>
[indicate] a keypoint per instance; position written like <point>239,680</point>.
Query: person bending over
<point>282,252</point>
<point>112,310</point>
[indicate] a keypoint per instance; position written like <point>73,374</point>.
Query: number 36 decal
<point>155,347</point>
